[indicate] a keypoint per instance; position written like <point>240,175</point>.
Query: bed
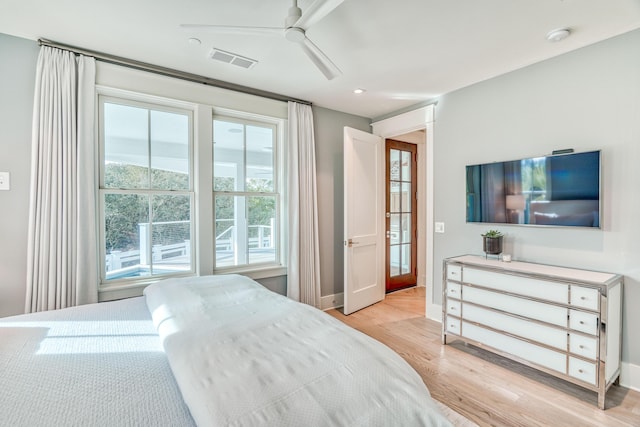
<point>206,351</point>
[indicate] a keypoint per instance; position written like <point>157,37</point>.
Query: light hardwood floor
<point>485,388</point>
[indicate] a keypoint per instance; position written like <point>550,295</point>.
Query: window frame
<point>278,266</point>
<point>150,103</point>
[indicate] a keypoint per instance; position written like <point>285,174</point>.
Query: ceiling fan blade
<point>322,61</point>
<point>230,29</point>
<point>315,12</point>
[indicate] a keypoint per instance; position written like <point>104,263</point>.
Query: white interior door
<point>363,219</point>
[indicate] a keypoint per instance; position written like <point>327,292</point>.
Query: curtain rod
<point>169,72</point>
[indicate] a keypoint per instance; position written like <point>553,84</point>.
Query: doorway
<point>401,212</point>
<point>417,127</point>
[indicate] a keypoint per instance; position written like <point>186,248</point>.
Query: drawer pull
<point>582,322</point>
<point>452,308</point>
<point>453,291</point>
<point>452,326</point>
<point>583,298</point>
<point>581,346</point>
<point>581,371</point>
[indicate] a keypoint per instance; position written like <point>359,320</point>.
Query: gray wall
<point>17,76</point>
<point>329,134</point>
<point>587,99</point>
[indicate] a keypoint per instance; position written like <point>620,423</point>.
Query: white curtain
<point>303,269</point>
<point>62,252</point>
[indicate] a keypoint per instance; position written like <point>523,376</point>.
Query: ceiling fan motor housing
<point>294,34</point>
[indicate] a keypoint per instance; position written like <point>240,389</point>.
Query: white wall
<point>17,76</point>
<point>587,99</point>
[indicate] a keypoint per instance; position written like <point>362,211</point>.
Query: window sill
<point>111,292</point>
<point>115,292</point>
<point>255,272</point>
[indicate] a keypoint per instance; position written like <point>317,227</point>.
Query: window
<point>246,193</point>
<point>174,204</point>
<point>146,190</point>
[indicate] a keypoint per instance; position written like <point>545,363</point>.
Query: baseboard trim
<point>630,376</point>
<point>328,302</point>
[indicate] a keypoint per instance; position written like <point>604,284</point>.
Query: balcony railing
<point>175,255</point>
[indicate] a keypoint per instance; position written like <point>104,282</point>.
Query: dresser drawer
<point>454,307</point>
<point>585,297</point>
<point>543,334</point>
<point>454,290</point>
<point>453,325</point>
<point>583,322</point>
<point>583,346</point>
<point>584,371</point>
<point>454,272</point>
<point>525,286</point>
<point>542,356</point>
<point>531,309</point>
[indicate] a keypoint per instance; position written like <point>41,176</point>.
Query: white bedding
<point>242,355</point>
<point>93,365</point>
<point>245,356</point>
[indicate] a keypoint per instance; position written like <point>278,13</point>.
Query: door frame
<point>401,281</point>
<point>421,118</point>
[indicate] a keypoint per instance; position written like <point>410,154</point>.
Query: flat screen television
<point>556,190</point>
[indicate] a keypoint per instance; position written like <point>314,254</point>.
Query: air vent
<point>232,58</point>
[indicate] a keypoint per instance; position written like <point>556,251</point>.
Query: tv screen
<point>561,190</point>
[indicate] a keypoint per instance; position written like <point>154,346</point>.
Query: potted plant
<point>492,242</point>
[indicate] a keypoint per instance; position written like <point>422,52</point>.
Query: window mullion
<point>149,149</point>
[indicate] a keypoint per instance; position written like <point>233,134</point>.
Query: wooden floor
<point>485,388</point>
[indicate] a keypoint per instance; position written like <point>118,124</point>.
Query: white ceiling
<point>403,52</point>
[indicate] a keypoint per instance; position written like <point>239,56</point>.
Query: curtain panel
<point>303,267</point>
<point>62,260</point>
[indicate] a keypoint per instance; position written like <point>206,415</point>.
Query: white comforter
<point>245,356</point>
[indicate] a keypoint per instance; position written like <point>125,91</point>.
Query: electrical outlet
<point>5,181</point>
<point>439,227</point>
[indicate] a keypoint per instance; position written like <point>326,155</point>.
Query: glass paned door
<point>401,215</point>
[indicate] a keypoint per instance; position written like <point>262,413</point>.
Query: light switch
<point>5,181</point>
<point>439,227</point>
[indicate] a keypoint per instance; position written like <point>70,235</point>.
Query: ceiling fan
<point>295,25</point>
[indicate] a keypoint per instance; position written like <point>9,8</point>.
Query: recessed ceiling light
<point>194,41</point>
<point>558,34</point>
<point>358,91</point>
